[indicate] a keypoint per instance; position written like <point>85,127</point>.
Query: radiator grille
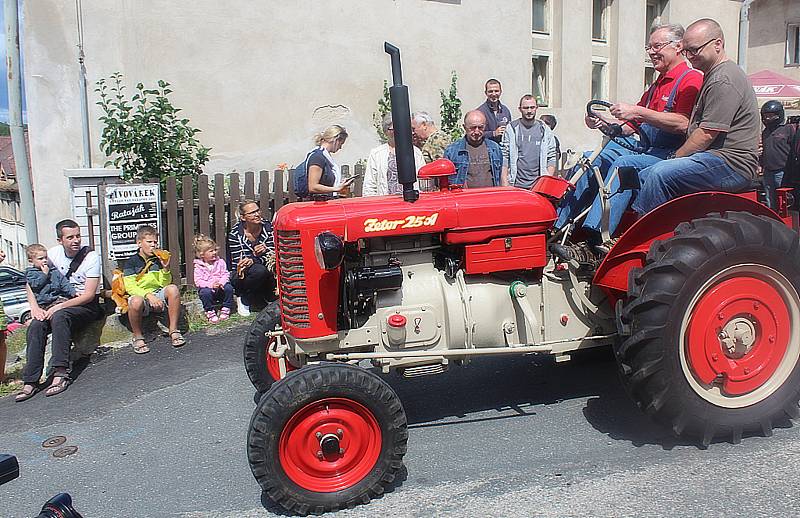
<point>294,299</point>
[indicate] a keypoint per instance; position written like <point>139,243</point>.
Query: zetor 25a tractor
<point>699,299</point>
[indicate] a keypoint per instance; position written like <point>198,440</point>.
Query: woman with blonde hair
<point>319,176</point>
<point>251,258</point>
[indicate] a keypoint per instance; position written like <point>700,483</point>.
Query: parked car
<point>13,294</point>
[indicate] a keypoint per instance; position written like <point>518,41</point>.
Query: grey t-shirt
<point>480,169</point>
<point>529,146</point>
<point>727,103</point>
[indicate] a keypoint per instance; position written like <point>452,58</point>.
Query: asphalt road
<point>163,434</point>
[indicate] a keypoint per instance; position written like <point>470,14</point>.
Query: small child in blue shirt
<point>48,285</point>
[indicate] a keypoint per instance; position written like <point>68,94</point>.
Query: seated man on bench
<point>81,266</point>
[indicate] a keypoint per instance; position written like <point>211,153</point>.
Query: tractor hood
<point>461,215</point>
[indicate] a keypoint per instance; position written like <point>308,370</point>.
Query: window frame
<point>546,78</point>
<point>604,86</point>
<point>604,29</point>
<point>792,53</point>
<point>546,12</point>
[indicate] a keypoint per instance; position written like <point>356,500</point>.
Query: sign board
<point>128,207</point>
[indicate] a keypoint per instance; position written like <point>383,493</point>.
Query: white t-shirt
<point>90,268</point>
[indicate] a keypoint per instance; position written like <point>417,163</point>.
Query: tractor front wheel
<point>328,436</point>
<point>712,325</point>
<point>262,368</point>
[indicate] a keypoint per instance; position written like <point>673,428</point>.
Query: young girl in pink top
<point>212,279</point>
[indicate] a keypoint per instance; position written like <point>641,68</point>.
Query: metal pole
<point>87,148</point>
<point>744,34</point>
<point>15,121</point>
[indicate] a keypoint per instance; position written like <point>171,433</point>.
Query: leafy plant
<point>451,110</point>
<point>144,136</point>
<point>384,107</point>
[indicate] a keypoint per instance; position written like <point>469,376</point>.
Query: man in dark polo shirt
<point>497,114</point>
<point>478,160</point>
<point>721,151</point>
<point>662,112</point>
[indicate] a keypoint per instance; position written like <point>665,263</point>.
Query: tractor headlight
<point>329,250</point>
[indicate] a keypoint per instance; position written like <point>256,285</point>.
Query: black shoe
<point>605,248</point>
<point>581,254</point>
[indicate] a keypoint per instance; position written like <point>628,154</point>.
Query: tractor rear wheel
<point>263,369</point>
<point>711,328</point>
<point>328,436</point>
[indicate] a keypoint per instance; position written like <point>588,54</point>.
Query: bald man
<point>720,153</point>
<point>478,160</point>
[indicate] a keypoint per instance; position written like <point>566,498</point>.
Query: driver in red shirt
<point>662,113</point>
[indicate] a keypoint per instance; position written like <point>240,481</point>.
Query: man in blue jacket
<point>478,160</point>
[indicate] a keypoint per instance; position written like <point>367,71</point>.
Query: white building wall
<point>259,78</point>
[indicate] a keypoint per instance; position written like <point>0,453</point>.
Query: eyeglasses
<point>657,46</point>
<point>693,52</point>
<point>256,211</point>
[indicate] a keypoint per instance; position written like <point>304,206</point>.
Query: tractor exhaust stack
<point>401,121</point>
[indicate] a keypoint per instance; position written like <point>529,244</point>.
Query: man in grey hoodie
<point>528,146</point>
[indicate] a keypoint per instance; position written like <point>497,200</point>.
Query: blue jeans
<point>586,188</point>
<point>772,180</point>
<point>670,179</point>
<point>210,296</point>
<point>618,201</point>
<point>587,191</point>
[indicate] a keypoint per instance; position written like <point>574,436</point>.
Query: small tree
<point>144,136</point>
<point>384,107</point>
<point>451,110</point>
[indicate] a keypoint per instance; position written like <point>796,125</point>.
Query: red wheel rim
<point>749,315</point>
<point>359,437</point>
<point>274,365</point>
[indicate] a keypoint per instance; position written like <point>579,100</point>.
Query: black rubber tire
<point>659,296</point>
<point>255,347</point>
<point>303,387</point>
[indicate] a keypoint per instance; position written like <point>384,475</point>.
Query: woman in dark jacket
<point>251,258</point>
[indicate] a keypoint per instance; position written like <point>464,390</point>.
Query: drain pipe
<point>11,11</point>
<point>84,98</point>
<point>744,33</point>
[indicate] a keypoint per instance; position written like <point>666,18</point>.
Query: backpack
<point>300,177</point>
<point>791,172</point>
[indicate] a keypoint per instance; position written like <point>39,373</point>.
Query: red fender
<point>631,249</point>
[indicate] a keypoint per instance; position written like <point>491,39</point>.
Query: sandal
<point>177,338</point>
<point>25,395</point>
<point>57,388</point>
<point>139,345</point>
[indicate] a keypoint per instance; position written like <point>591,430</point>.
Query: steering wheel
<point>614,130</point>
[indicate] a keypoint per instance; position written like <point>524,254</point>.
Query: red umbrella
<point>771,85</point>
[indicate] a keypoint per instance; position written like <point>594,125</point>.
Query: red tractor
<point>699,300</point>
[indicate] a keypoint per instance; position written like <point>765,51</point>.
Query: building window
<point>599,80</point>
<point>599,19</point>
<point>539,82</point>
<point>793,44</point>
<point>654,14</point>
<point>540,16</point>
<point>649,76</point>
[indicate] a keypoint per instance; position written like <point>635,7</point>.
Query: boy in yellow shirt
<point>148,283</point>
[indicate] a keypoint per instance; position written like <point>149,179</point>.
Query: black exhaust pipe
<point>401,121</point>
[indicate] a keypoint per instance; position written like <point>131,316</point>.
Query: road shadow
<point>277,509</point>
<point>514,386</point>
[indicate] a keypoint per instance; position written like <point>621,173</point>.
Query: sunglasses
<point>693,52</point>
<point>657,46</point>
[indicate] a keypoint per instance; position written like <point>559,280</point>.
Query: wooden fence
<point>214,210</point>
